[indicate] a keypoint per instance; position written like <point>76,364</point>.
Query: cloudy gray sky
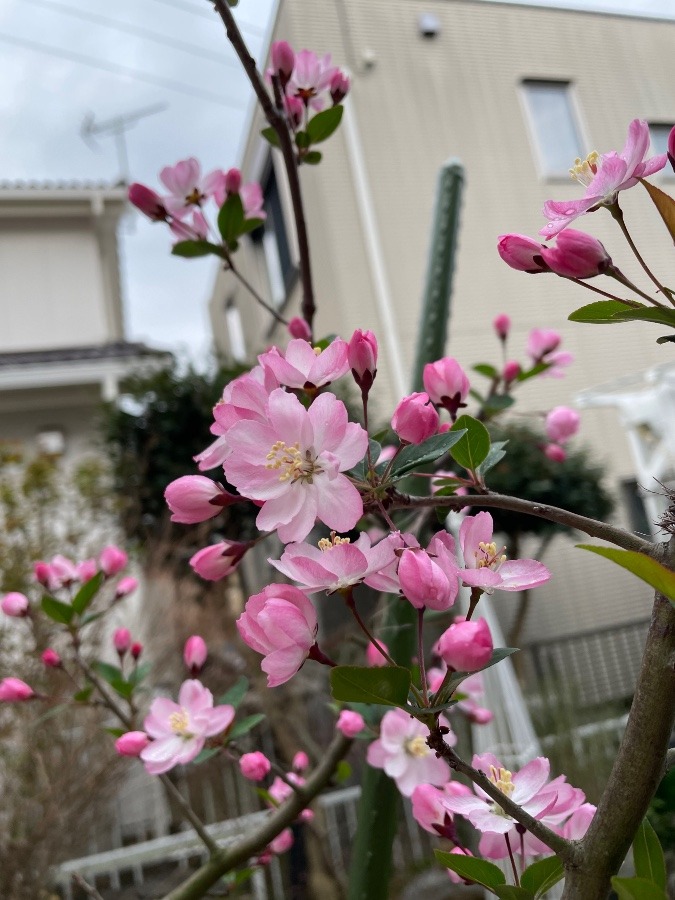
<point>61,60</point>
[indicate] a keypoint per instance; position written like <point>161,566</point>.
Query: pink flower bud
<point>562,423</point>
<point>576,255</point>
<point>284,841</point>
<point>122,640</point>
<point>136,650</point>
<point>254,766</point>
<point>232,181</point>
<point>373,655</point>
<point>339,87</point>
<point>511,371</point>
<point>219,560</point>
<point>194,654</point>
<point>63,569</point>
<point>350,723</point>
<point>15,604</point>
<point>555,453</point>
<point>295,111</point>
<point>671,148</point>
<point>131,743</point>
<point>299,329</point>
<point>362,357</point>
<point>466,646</point>
<point>300,761</point>
<point>43,573</point>
<point>86,570</point>
<point>521,253</point>
<point>125,586</point>
<point>541,342</point>
<point>446,383</point>
<point>415,419</point>
<point>424,582</point>
<point>113,560</point>
<point>283,61</point>
<point>13,690</point>
<point>51,658</point>
<point>149,203</point>
<point>502,325</point>
<point>195,498</point>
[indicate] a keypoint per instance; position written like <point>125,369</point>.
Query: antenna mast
<point>116,127</point>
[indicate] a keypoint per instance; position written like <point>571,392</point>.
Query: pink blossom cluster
<point>305,81</point>
<point>62,572</point>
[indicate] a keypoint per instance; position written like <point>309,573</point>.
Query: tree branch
<point>591,527</point>
<point>564,849</point>
<point>228,858</point>
<point>278,123</point>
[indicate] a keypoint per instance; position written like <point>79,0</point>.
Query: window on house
<point>658,132</point>
<point>633,499</point>
<point>553,124</point>
<point>235,332</point>
<point>273,240</point>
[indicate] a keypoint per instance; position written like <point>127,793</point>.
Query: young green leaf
<point>601,312</point>
<point>239,729</point>
<point>190,249</point>
<point>646,568</point>
<point>313,158</point>
<point>270,136</point>
<point>302,140</point>
<point>387,686</point>
<point>648,856</point>
<point>324,123</point>
<point>637,889</point>
<point>56,610</point>
<point>511,892</point>
<point>542,875</point>
<point>231,219</point>
<point>496,454</point>
<point>106,671</point>
<point>140,673</point>
<point>472,869</point>
<point>234,695</point>
<point>415,455</point>
<point>487,370</point>
<point>205,755</point>
<point>87,592</point>
<point>474,445</point>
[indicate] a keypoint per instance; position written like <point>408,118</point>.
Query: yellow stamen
<point>501,778</point>
<point>416,746</point>
<point>293,465</point>
<point>332,541</point>
<point>585,170</point>
<point>487,556</point>
<point>180,723</point>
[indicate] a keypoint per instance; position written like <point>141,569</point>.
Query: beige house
<point>516,93</point>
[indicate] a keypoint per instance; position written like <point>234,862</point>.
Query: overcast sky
<point>61,60</point>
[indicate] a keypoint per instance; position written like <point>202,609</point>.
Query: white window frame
<point>543,170</point>
<point>235,332</point>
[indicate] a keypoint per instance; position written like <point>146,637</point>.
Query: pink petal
<point>473,531</point>
<point>339,504</point>
<point>194,696</point>
<point>530,779</point>
<point>521,574</point>
<point>636,146</point>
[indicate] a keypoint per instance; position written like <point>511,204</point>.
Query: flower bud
<point>446,383</point>
<point>195,498</point>
<point>149,202</point>
<point>51,658</point>
<point>232,181</point>
<point>521,253</point>
<point>254,766</point>
<point>562,423</point>
<point>502,325</point>
<point>295,111</point>
<point>13,690</point>
<point>555,453</point>
<point>511,371</point>
<point>299,329</point>
<point>15,604</point>
<point>300,761</point>
<point>112,560</point>
<point>136,650</point>
<point>339,87</point>
<point>576,255</point>
<point>194,654</point>
<point>362,357</point>
<point>218,560</point>
<point>284,841</point>
<point>43,573</point>
<point>350,723</point>
<point>131,743</point>
<point>63,570</point>
<point>122,640</point>
<point>125,586</point>
<point>86,570</point>
<point>283,61</point>
<point>424,582</point>
<point>415,419</point>
<point>466,646</point>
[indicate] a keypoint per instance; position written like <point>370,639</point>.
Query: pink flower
<point>502,326</point>
<point>112,560</point>
<point>429,810</point>
<point>603,177</point>
<point>339,87</point>
<point>122,640</point>
<point>362,358</point>
<point>254,766</point>
<point>125,586</point>
<point>44,575</point>
<point>148,202</point>
<point>293,463</point>
<point>350,723</point>
<point>562,423</point>
<point>311,78</point>
<point>474,691</point>
<point>194,654</point>
<point>430,578</point>
<point>299,329</point>
<point>373,655</point>
<point>219,560</point>
<point>63,571</point>
<point>180,729</point>
<point>283,61</point>
<point>252,200</point>
<point>415,419</point>
<point>511,371</point>
<point>51,658</point>
<point>577,825</point>
<point>541,342</point>
<point>300,761</point>
<point>280,622</point>
<point>555,453</point>
<point>283,841</point>
<point>195,498</point>
<point>522,253</point>
<point>446,384</point>
<point>336,563</point>
<point>577,255</point>
<point>15,604</point>
<point>301,367</point>
<point>132,743</point>
<point>13,690</point>
<point>487,568</point>
<point>466,646</point>
<point>403,753</point>
<point>86,570</point>
<point>187,188</point>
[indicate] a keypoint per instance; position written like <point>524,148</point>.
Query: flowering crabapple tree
<point>286,444</point>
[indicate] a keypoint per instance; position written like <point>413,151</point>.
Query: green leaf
<point>646,568</point>
<point>92,617</point>
<point>458,677</point>
<point>191,249</point>
<point>533,372</point>
<point>360,470</point>
<point>601,312</point>
<point>474,446</point>
<point>234,695</point>
<point>106,671</point>
<point>415,455</point>
<point>313,158</point>
<point>116,732</point>
<point>56,610</point>
<point>511,892</point>
<point>140,673</point>
<point>302,140</point>
<point>496,454</point>
<point>542,875</point>
<point>87,592</point>
<point>487,370</point>
<point>472,869</point>
<point>497,403</point>
<point>664,204</point>
<point>271,136</point>
<point>324,123</point>
<point>83,695</point>
<point>667,338</point>
<point>386,685</point>
<point>637,889</point>
<point>648,855</point>
<point>343,771</point>
<point>648,314</point>
<point>231,219</point>
<point>205,755</point>
<point>244,726</point>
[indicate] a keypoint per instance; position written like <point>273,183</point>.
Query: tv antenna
<point>117,128</point>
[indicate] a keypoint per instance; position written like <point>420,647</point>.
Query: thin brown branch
<point>278,123</point>
<point>79,882</point>
<point>591,527</point>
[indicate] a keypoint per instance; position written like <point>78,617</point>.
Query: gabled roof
<point>119,350</point>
